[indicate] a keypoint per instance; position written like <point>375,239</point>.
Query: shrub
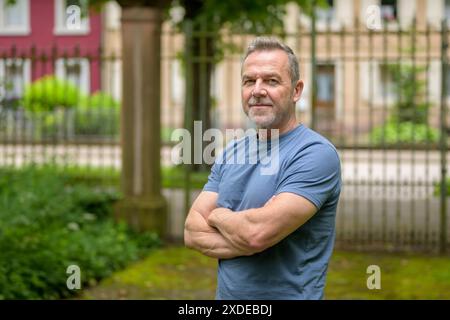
<point>99,100</point>
<point>49,93</point>
<point>61,109</point>
<point>47,224</point>
<point>393,133</point>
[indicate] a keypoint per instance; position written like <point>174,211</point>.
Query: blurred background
<point>92,91</point>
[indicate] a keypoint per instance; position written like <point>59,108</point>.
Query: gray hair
<point>268,44</point>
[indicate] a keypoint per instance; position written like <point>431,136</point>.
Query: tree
<point>202,22</point>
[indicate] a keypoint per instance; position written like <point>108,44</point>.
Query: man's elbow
<point>188,241</point>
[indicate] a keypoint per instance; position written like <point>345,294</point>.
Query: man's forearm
<point>212,245</point>
<point>231,226</point>
<point>260,228</point>
<point>208,240</point>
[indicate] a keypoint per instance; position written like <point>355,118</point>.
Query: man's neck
<point>270,133</point>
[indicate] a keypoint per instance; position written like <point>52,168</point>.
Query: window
<point>389,10</point>
<point>14,18</point>
<point>76,71</point>
<point>325,14</point>
<point>325,85</point>
<point>447,9</point>
<point>71,17</point>
<point>387,80</point>
<point>325,98</point>
<point>14,75</point>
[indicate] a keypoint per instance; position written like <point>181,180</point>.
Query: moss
<point>179,273</point>
<point>171,273</point>
<point>404,276</point>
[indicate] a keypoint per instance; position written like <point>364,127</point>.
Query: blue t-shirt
<point>295,268</point>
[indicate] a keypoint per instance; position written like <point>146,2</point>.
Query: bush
<point>47,225</point>
<point>393,133</point>
<point>49,93</point>
<point>62,110</point>
<point>98,115</point>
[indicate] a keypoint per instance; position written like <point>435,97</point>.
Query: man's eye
<point>273,81</point>
<point>248,82</point>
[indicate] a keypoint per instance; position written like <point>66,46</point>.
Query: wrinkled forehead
<point>266,61</point>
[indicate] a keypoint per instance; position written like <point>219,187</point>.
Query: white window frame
<point>435,13</point>
<point>434,82</point>
<point>85,75</point>
<point>116,87</point>
<point>406,10</point>
<point>15,30</point>
<point>435,9</point>
<point>373,69</point>
<point>113,12</point>
<point>177,83</point>
<point>26,73</point>
<point>60,26</point>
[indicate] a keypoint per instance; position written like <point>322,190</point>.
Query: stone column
<point>143,205</point>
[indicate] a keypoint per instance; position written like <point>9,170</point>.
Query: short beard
<point>267,123</point>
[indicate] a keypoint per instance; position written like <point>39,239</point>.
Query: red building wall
<point>46,42</point>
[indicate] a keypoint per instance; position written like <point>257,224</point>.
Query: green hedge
<point>403,133</point>
<point>172,177</point>
<point>48,223</point>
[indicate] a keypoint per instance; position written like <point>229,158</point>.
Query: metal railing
<point>379,95</point>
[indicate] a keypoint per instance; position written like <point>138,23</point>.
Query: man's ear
<point>298,89</point>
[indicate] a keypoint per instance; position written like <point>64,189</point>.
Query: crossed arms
<point>222,233</point>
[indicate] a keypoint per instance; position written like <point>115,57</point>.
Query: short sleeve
<point>215,175</point>
<point>313,173</point>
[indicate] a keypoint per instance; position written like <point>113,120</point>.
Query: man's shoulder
<point>310,141</point>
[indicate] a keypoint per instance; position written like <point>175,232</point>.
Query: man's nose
<point>259,89</point>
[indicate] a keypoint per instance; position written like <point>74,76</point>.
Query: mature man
<point>272,233</point>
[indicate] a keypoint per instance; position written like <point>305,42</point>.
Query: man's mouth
<point>261,105</point>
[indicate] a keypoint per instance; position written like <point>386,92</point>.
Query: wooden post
<point>143,205</point>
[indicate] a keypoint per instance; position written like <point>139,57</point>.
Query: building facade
<point>45,37</point>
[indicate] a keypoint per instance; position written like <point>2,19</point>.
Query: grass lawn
<point>179,273</point>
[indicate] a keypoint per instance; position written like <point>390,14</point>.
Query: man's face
<point>267,93</point>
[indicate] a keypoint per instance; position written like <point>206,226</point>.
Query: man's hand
<point>200,236</point>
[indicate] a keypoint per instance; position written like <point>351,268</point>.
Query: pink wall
<point>42,24</point>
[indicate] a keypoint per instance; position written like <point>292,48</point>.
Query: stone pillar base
<point>144,214</point>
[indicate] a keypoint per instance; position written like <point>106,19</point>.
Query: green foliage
<point>98,115</point>
<point>49,93</point>
<point>437,188</point>
<point>47,224</point>
<point>408,123</point>
<point>410,93</point>
<point>244,16</point>
<point>403,133</point>
<point>172,177</point>
<point>175,177</point>
<point>99,100</point>
<point>61,109</point>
